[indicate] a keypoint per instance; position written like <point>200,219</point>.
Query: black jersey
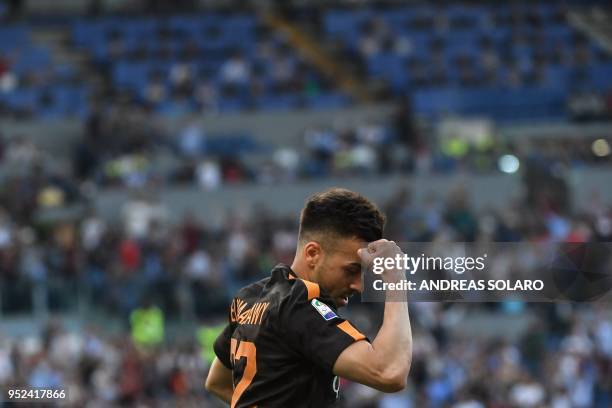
<point>283,338</point>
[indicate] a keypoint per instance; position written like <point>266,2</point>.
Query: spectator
<point>192,140</point>
<point>236,70</point>
<point>209,175</point>
<point>140,213</point>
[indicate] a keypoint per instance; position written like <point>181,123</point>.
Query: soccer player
<point>285,345</point>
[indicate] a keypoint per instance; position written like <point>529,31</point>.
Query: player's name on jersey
<point>241,313</point>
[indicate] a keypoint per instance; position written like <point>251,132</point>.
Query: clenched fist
<point>383,249</point>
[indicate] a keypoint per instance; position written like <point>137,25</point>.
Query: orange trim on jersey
<point>313,289</point>
<point>348,328</point>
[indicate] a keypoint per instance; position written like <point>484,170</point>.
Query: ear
<point>312,253</point>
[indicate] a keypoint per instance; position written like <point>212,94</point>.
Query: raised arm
<point>383,364</point>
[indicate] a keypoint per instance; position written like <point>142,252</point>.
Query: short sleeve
<point>222,346</point>
<point>312,327</point>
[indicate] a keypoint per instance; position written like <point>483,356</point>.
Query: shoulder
<point>306,299</point>
<point>287,295</point>
<point>307,293</point>
<point>303,290</point>
<point>287,288</point>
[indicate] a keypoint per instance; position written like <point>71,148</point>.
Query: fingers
<point>377,248</point>
<point>381,246</point>
<point>378,243</point>
<point>382,250</point>
<point>365,255</point>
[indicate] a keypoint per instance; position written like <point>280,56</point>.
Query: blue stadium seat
<point>232,105</point>
<point>499,103</point>
<point>601,76</point>
<point>22,99</point>
<point>328,101</point>
<point>32,59</point>
<point>229,144</point>
<point>13,37</point>
<point>277,102</point>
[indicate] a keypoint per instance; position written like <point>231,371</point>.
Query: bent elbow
<point>210,385</point>
<point>395,384</point>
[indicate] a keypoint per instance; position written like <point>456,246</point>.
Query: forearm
<point>384,363</point>
<point>393,343</point>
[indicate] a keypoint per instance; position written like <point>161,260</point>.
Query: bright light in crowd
<point>601,148</point>
<point>508,163</point>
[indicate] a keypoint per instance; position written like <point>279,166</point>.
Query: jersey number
<point>247,350</point>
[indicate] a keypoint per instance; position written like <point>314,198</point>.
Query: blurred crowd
<point>475,51</point>
<point>190,270</point>
<point>177,84</point>
<point>171,72</point>
<point>120,148</point>
<point>116,263</point>
<point>590,105</point>
<point>130,146</point>
<point>563,359</point>
<point>12,76</point>
<point>82,262</point>
<point>377,36</point>
<point>100,370</point>
<point>528,26</point>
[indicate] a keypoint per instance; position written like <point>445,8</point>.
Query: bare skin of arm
<point>219,381</point>
<point>383,364</point>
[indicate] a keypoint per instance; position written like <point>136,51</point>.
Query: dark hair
<point>343,213</point>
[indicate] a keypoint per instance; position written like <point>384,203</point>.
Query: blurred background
<point>154,156</point>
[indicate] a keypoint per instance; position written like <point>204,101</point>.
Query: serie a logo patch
<point>323,309</point>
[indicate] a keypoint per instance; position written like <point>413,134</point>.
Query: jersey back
<point>281,342</point>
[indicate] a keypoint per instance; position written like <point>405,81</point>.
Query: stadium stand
<point>160,173</point>
<point>222,62</point>
<point>508,62</point>
<point>115,265</point>
<point>31,83</point>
